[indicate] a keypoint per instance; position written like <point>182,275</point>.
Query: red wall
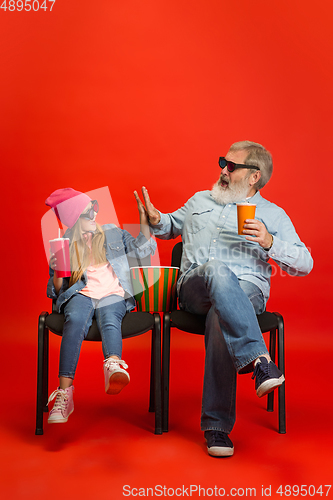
<point>131,93</point>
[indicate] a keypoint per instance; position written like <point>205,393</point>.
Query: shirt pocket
<point>199,220</point>
<point>116,249</point>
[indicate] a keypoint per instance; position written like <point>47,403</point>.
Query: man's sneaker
<point>219,444</point>
<point>115,376</point>
<point>63,405</point>
<point>268,376</point>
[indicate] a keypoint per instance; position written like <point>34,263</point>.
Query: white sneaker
<point>115,377</point>
<point>63,405</point>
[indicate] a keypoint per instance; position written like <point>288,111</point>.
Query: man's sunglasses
<point>231,166</point>
<point>91,212</point>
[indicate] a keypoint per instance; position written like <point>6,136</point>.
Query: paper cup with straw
<point>60,248</point>
<point>154,287</point>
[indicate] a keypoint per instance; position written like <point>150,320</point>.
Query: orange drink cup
<point>244,211</point>
<point>154,287</point>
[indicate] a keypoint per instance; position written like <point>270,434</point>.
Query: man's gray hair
<point>257,156</point>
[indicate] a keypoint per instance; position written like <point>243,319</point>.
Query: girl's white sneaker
<point>115,376</point>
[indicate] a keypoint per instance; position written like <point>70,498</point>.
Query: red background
<point>151,93</point>
<point>130,93</point>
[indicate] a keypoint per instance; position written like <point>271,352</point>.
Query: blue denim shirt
<point>209,231</point>
<point>119,244</point>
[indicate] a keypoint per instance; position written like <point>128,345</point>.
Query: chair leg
<point>272,350</point>
<point>281,365</point>
<point>46,370</point>
<point>42,362</point>
<point>166,371</point>
<point>157,375</point>
<point>152,373</point>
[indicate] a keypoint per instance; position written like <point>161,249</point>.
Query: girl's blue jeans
<point>79,312</point>
<point>233,339</point>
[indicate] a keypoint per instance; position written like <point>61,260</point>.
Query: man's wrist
<point>270,246</point>
<point>153,221</point>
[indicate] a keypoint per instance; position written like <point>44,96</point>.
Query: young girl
<point>99,286</point>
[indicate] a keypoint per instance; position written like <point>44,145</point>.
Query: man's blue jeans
<point>79,312</point>
<point>233,339</point>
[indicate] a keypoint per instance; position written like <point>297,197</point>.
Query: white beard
<point>231,193</point>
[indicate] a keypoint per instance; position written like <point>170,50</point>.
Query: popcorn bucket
<point>154,287</point>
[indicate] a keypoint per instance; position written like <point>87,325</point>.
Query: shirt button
<point>273,254</point>
<point>214,241</point>
<point>217,228</point>
<point>223,216</point>
<point>229,206</point>
<point>212,258</point>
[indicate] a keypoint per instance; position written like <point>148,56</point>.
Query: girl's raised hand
<point>144,220</point>
<point>141,207</point>
<point>152,213</point>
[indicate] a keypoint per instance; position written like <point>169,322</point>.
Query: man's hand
<point>153,214</point>
<point>258,233</point>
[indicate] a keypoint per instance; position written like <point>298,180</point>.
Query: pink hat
<point>68,205</point>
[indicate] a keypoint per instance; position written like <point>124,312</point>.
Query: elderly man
<point>227,277</point>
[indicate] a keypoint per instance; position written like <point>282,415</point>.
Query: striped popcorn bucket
<point>154,287</point>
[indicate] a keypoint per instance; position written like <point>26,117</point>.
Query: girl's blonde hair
<point>80,253</point>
